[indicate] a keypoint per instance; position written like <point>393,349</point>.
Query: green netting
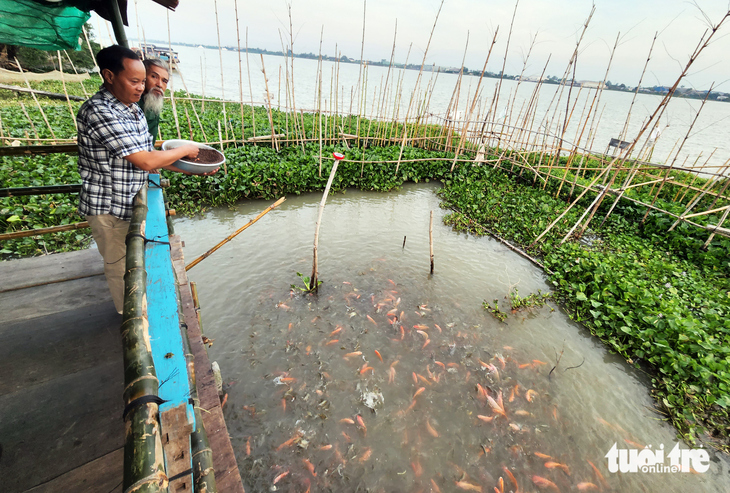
<point>41,25</point>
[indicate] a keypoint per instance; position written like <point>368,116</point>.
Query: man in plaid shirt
<point>115,155</point>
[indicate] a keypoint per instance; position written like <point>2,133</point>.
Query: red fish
<point>371,319</point>
<point>585,486</point>
<point>326,447</point>
<point>486,419</point>
<point>511,478</point>
<point>248,446</point>
<point>543,456</point>
<point>280,476</point>
<point>333,341</point>
<point>377,353</point>
<point>419,392</point>
<point>530,395</point>
<point>354,353</point>
<point>599,476</point>
<point>439,328</point>
<point>468,486</point>
<point>481,393</point>
<point>365,455</point>
<point>553,465</point>
<point>431,431</point>
<point>336,331</point>
<point>495,406</point>
<point>543,483</point>
<point>426,343</point>
<point>436,488</point>
<point>417,469</point>
<point>440,364</point>
<point>361,424</point>
<point>348,421</point>
<point>310,467</point>
<point>367,368</point>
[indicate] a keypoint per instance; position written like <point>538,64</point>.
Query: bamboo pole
<point>42,231</point>
<point>236,233</point>
<point>719,224</point>
<point>63,81</point>
<point>430,239</point>
<point>240,73</point>
<point>25,112</point>
<point>220,56</point>
<point>172,89</point>
<point>43,114</point>
<point>314,281</point>
<point>360,90</point>
<point>473,103</point>
<point>144,462</point>
<point>81,82</point>
<point>250,90</point>
<point>268,106</point>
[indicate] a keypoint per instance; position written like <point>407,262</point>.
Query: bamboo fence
<point>555,149</point>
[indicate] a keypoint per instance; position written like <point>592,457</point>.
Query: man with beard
<point>152,100</point>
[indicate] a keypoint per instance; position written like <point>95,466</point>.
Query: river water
<point>307,389</point>
<point>709,138</point>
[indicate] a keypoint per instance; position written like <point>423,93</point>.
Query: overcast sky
<point>555,25</point>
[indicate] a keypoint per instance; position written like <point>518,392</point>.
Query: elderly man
<point>115,156</point>
<point>152,99</point>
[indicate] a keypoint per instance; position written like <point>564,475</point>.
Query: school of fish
<point>396,396</point>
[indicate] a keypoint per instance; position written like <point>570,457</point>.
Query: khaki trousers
<point>109,233</point>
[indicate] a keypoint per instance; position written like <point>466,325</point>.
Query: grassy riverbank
<point>654,297</point>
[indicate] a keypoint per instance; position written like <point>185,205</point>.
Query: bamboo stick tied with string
<point>314,281</point>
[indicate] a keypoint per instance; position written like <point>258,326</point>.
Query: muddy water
<point>305,382</point>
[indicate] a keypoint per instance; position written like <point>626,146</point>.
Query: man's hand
<point>210,172</point>
<point>192,149</point>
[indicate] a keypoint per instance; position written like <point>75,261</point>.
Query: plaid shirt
<point>108,131</point>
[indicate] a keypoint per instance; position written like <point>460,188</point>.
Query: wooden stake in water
<point>430,239</point>
<point>314,284</point>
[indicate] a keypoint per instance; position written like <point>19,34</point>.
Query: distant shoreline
<point>656,90</point>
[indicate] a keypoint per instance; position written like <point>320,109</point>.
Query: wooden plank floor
<point>62,378</point>
<point>61,428</point>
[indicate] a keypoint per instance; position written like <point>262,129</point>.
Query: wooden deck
<point>61,364</point>
<point>61,404</point>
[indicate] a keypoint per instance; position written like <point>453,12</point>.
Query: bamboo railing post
<point>144,463</point>
<point>314,281</point>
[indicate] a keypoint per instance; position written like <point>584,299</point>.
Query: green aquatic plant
<point>308,286</point>
<point>495,311</point>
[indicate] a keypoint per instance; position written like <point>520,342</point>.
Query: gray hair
<point>156,62</point>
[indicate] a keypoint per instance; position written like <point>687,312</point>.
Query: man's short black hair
<point>112,58</point>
